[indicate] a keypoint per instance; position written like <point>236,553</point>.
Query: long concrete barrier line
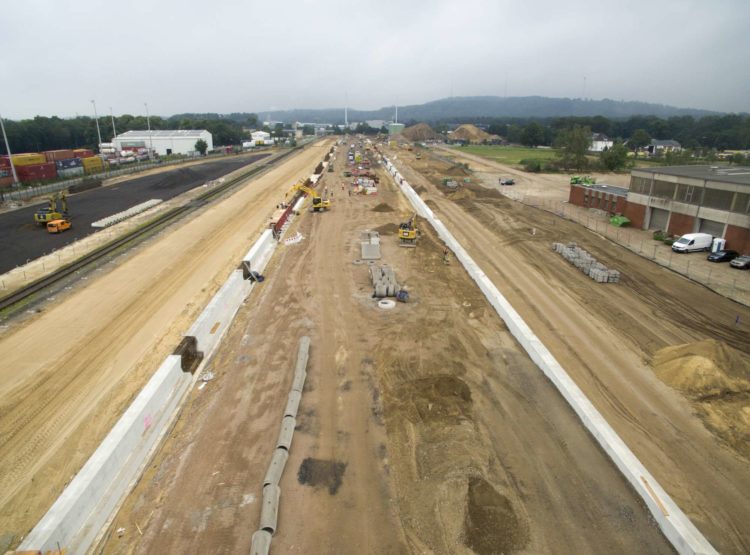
<point>675,525</point>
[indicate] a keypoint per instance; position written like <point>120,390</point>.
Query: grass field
<point>509,154</point>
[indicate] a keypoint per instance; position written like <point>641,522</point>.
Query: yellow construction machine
<point>319,204</point>
<point>45,215</point>
<point>407,232</point>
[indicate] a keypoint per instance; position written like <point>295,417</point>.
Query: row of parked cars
<point>704,242</point>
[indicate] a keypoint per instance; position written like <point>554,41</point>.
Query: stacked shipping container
<point>33,166</point>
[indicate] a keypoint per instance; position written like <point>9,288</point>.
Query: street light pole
<point>98,132</point>
<point>10,156</point>
<point>114,129</point>
<point>150,140</point>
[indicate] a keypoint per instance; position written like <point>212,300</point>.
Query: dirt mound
<point>491,524</point>
<point>387,229</point>
<point>703,369</point>
<point>321,473</point>
<point>421,132</point>
<point>383,207</point>
<point>446,399</point>
<point>716,378</point>
<point>471,133</point>
<point>461,193</point>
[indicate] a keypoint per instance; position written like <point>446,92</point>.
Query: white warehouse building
<point>165,142</point>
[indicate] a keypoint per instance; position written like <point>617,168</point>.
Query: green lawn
<point>511,155</point>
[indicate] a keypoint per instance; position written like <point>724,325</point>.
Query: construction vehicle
<point>582,180</point>
<point>407,232</point>
<point>58,226</point>
<point>46,215</point>
<point>319,204</point>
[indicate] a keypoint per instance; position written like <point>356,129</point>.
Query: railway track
<point>27,293</point>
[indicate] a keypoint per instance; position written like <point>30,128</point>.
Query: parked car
<point>722,256</point>
<point>741,262</point>
<point>507,181</point>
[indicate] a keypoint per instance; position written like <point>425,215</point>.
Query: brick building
<point>609,198</point>
<point>688,199</point>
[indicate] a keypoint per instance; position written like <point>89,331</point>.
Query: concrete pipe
<point>299,381</point>
<point>292,403</point>
<point>286,433</point>
<point>269,512</point>
<point>276,468</point>
<point>261,543</point>
<point>302,354</point>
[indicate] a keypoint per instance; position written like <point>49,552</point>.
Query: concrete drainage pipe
<point>386,304</point>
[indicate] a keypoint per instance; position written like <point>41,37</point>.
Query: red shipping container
<point>53,155</point>
<point>4,161</point>
<point>83,153</point>
<point>37,172</point>
<point>6,181</point>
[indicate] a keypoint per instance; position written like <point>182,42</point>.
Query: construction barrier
<point>675,525</point>
<point>85,506</point>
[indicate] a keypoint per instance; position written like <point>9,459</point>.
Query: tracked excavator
<point>319,204</point>
<point>51,213</point>
<point>407,232</point>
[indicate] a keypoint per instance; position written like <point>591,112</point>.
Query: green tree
<point>532,135</point>
<point>308,130</point>
<point>573,144</point>
<point>201,146</point>
<point>614,158</point>
<point>278,130</point>
<point>638,140</point>
<point>737,158</point>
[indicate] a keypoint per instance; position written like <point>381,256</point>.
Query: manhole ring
<point>386,304</point>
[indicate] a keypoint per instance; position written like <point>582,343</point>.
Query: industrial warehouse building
<point>687,199</point>
<point>165,142</point>
<point>680,200</point>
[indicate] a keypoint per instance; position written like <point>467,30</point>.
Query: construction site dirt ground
<point>72,366</point>
<point>424,428</point>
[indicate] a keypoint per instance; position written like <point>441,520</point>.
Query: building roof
<point>667,142</point>
<point>604,188</point>
<point>163,134</point>
<point>739,175</point>
<point>599,137</point>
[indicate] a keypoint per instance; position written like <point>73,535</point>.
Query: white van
<point>693,242</point>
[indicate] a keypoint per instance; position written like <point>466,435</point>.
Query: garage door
<point>711,227</point>
<point>659,219</point>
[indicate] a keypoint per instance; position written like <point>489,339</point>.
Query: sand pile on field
<point>705,369</point>
<point>716,378</point>
<point>421,132</point>
<point>471,133</point>
<point>383,207</point>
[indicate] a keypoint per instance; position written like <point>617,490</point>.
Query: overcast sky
<point>245,55</point>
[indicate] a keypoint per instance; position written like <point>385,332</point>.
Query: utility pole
<point>150,140</point>
<point>10,156</point>
<point>98,132</point>
<point>114,129</point>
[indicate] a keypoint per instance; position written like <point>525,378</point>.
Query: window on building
<point>641,185</point>
<point>715,198</point>
<point>741,203</point>
<point>688,194</point>
<point>663,189</point>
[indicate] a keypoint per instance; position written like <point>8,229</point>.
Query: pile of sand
<point>421,132</point>
<point>471,133</point>
<point>705,369</point>
<point>383,207</point>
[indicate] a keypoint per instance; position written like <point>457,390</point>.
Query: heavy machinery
<point>46,215</point>
<point>582,180</point>
<point>407,232</point>
<point>319,204</point>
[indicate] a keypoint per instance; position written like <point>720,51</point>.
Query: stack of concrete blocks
<point>676,526</point>
<point>586,263</point>
<point>370,245</point>
<point>269,512</point>
<point>384,281</point>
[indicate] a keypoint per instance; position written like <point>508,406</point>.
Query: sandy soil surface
<point>605,336</point>
<point>422,429</point>
<point>68,373</point>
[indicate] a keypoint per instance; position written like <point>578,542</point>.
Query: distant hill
<point>462,108</point>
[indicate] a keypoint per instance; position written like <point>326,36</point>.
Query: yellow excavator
<point>319,204</point>
<point>407,232</point>
<point>46,215</point>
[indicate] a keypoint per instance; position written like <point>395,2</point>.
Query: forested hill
<point>461,108</point>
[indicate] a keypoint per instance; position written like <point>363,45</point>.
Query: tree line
<point>52,133</point>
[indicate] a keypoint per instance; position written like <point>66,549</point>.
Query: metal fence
<point>726,281</point>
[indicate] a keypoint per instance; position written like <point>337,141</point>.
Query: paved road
<point>22,240</point>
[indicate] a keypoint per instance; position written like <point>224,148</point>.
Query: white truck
<point>693,242</point>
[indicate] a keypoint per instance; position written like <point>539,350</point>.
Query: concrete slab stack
<point>370,245</point>
<point>586,263</point>
<point>384,281</point>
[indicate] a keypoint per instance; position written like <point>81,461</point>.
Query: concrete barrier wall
<point>675,525</point>
<point>84,508</point>
<point>78,515</point>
